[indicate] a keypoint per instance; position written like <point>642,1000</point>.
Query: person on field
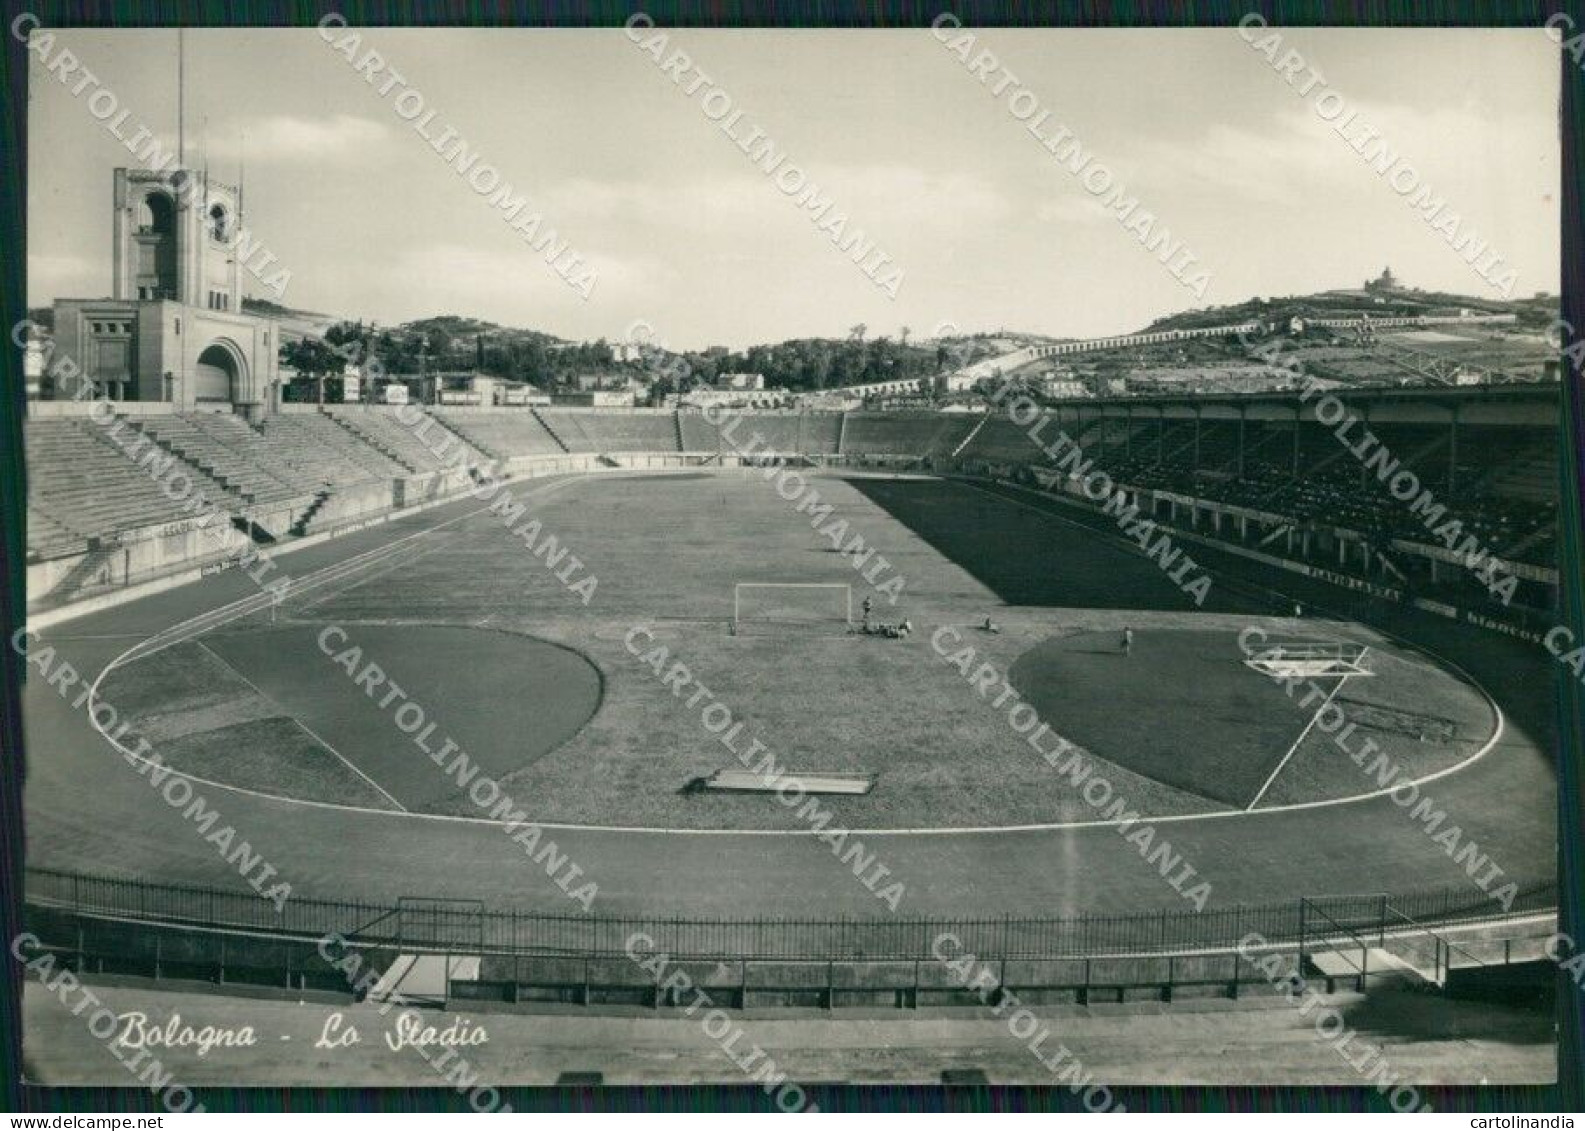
<point>1128,641</point>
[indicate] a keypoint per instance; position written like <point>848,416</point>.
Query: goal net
<point>761,604</point>
<point>1309,659</point>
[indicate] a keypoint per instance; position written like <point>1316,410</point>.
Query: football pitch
<point>595,713</point>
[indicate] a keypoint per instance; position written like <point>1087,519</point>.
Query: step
<point>424,976</point>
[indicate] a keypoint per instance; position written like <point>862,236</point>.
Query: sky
<point>683,232</point>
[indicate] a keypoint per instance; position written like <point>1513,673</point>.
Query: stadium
<point>475,714</point>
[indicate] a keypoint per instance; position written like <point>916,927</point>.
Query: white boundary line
<point>1210,815</point>
<point>331,573</point>
<point>304,727</point>
<point>378,568</point>
<point>244,606</point>
<point>1303,734</point>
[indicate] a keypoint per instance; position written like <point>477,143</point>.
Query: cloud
<point>1070,209</point>
<point>509,282</point>
<point>283,137</point>
<point>1275,166</point>
<point>891,195</point>
<point>52,275</point>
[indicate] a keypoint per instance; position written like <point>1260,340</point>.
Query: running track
<point>87,810</point>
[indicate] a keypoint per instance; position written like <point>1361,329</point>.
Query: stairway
<point>1362,968</point>
<point>91,572</point>
<point>455,425</point>
<point>228,484</point>
<point>544,419</point>
<point>300,523</point>
<point>374,442</point>
<point>424,979</point>
<point>973,432</point>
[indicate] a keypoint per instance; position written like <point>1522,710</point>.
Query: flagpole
<point>181,99</point>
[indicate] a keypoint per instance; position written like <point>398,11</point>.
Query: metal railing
<point>438,925</point>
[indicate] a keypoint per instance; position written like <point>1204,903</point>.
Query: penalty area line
<point>304,727</point>
<point>1303,734</point>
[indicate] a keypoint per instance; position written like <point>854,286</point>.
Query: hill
<point>1533,313</point>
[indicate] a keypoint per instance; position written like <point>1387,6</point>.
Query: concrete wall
<point>83,410</point>
<point>113,567</point>
<point>353,502</point>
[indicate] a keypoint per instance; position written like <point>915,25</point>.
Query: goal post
<point>791,604</point>
<point>1309,659</point>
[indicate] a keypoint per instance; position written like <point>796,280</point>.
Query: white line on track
<point>1308,727</point>
<point>376,570</point>
<point>304,727</point>
<point>227,613</point>
<point>1210,815</point>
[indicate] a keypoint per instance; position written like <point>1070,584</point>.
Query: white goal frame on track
<point>1310,659</point>
<point>845,616</point>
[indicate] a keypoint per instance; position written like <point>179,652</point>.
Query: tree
<point>314,358</point>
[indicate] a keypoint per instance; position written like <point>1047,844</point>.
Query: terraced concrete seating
<point>888,434</point>
<point>1001,439</point>
<point>1534,479</point>
<point>624,430</point>
<point>49,539</point>
<point>325,451</point>
<point>568,432</point>
<point>768,431</point>
<point>699,434</point>
<point>506,434</point>
<point>1519,467</point>
<point>231,451</point>
<point>438,449</point>
<point>78,483</point>
<point>1218,446</point>
<point>822,433</point>
<point>800,433</point>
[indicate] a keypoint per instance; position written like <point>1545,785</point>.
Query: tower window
<point>217,222</point>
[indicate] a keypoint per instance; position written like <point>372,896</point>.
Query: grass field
<point>543,692</point>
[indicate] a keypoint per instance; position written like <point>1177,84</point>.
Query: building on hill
<point>173,328</point>
<point>468,387</point>
<point>594,398</point>
<point>517,393</point>
<point>1386,281</point>
<point>827,400</point>
<point>1061,388</point>
<point>603,382</point>
<point>703,397</point>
